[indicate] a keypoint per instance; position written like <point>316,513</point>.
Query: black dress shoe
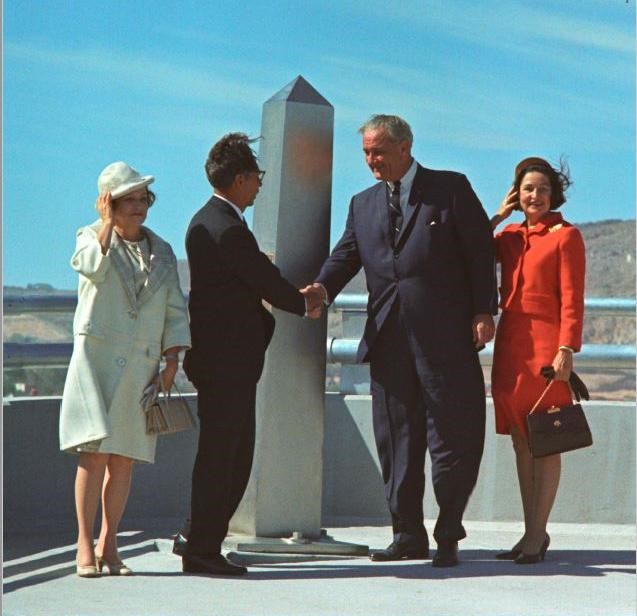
<point>401,551</point>
<point>214,565</point>
<point>180,539</point>
<point>179,544</point>
<point>446,555</point>
<point>532,559</point>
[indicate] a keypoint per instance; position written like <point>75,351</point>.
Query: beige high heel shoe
<point>113,568</point>
<point>87,571</point>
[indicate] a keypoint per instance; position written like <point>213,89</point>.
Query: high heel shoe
<point>113,568</point>
<point>532,559</point>
<point>87,571</point>
<point>512,554</point>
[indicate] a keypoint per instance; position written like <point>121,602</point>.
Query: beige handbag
<point>165,413</point>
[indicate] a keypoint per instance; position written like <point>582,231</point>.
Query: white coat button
<point>120,361</point>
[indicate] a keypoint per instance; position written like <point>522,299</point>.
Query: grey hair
<point>395,127</point>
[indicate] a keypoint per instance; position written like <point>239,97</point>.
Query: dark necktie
<point>395,213</point>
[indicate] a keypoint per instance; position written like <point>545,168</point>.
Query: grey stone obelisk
<point>292,226</point>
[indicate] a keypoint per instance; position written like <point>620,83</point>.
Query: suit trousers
<point>421,403</point>
<point>223,462</point>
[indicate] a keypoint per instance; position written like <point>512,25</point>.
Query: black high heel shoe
<point>532,559</point>
<point>512,554</point>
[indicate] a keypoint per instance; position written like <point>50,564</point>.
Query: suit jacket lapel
<point>381,205</point>
<point>123,268</point>
<point>160,264</point>
<point>413,205</point>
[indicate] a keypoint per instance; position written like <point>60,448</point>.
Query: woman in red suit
<point>542,301</point>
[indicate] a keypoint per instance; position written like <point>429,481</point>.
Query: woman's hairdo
<point>559,177</point>
<point>229,157</point>
<point>395,127</point>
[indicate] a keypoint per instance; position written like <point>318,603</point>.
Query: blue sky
<point>157,83</point>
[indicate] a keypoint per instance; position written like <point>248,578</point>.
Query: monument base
<point>297,544</point>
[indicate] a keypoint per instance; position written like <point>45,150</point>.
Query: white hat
<point>120,179</point>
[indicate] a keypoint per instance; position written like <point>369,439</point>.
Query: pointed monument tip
<point>299,91</point>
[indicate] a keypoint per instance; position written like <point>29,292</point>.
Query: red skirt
<point>523,344</point>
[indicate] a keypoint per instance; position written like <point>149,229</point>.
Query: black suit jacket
<point>229,276</point>
<point>442,269</point>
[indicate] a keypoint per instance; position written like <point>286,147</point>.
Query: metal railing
<point>608,356</point>
<point>593,306</point>
<point>18,354</point>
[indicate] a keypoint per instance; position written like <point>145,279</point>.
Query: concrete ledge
<point>598,484</point>
<point>39,478</point>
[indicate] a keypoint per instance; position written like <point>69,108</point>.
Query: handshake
<point>315,300</point>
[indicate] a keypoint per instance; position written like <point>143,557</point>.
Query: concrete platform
<point>590,570</point>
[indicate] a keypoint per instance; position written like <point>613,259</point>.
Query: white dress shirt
<point>406,182</point>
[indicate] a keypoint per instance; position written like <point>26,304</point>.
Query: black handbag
<point>557,430</point>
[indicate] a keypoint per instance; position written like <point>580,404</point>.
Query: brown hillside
<point>610,250</point>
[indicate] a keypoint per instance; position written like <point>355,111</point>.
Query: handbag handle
<point>541,397</point>
<point>163,389</point>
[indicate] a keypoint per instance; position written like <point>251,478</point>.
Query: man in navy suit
<point>425,244</point>
<point>231,330</point>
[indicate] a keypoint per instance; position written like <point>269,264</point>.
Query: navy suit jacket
<point>442,270</point>
<point>229,276</point>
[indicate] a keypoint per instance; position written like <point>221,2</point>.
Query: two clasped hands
<point>315,298</point>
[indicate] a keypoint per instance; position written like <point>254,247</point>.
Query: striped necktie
<point>395,213</point>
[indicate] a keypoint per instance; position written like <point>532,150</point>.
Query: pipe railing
<point>346,302</point>
<point>16,354</point>
<point>593,306</point>
<point>608,356</point>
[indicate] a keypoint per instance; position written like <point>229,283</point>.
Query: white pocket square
<point>432,223</point>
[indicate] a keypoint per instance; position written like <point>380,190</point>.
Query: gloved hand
<point>577,385</point>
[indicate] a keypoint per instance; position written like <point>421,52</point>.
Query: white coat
<point>118,342</point>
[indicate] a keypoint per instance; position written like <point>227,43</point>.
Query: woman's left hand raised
<point>563,365</point>
<point>104,207</point>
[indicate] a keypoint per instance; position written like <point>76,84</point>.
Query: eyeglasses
<point>259,174</point>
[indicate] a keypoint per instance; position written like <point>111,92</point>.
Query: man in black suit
<point>231,329</point>
<point>425,244</point>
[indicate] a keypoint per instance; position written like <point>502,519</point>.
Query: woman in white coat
<point>130,313</point>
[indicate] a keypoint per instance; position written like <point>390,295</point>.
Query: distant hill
<point>610,249</point>
<point>610,258</point>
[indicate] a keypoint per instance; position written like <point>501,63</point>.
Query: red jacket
<point>543,273</point>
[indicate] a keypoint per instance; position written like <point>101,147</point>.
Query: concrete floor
<point>589,570</point>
